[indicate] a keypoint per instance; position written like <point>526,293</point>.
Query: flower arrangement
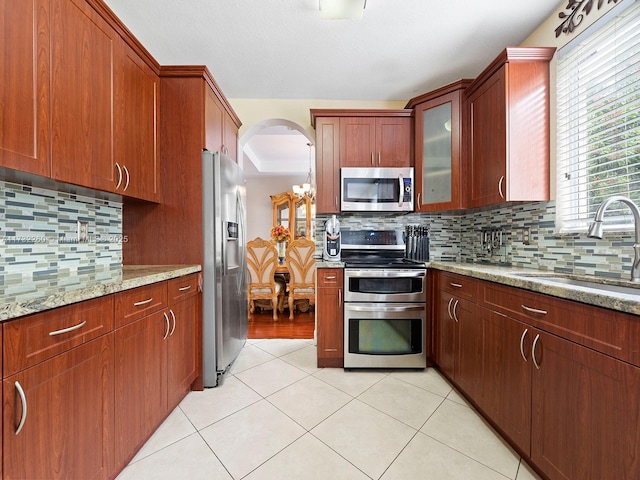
<point>280,234</point>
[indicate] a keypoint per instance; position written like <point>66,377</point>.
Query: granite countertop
<point>534,280</point>
<point>66,291</point>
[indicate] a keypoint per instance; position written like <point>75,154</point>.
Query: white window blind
<point>598,122</point>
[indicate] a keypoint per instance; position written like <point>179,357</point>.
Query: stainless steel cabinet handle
<point>335,203</point>
<point>173,316</point>
<point>183,289</point>
<point>339,298</point>
<point>524,334</point>
<point>534,310</point>
<point>330,277</point>
<point>418,206</point>
<point>126,184</point>
<point>372,162</point>
<point>449,308</point>
<point>68,329</point>
<point>168,325</point>
<point>455,311</point>
<point>457,285</point>
<point>143,302</point>
<point>500,186</point>
<point>533,352</point>
<point>119,176</point>
<point>379,159</point>
<point>23,399</point>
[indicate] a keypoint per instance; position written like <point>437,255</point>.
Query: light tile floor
<point>277,416</point>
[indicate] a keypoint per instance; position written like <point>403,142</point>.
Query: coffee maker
<point>331,240</point>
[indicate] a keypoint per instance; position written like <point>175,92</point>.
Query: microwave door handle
<point>400,189</point>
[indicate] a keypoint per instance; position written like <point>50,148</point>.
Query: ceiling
<point>282,49</point>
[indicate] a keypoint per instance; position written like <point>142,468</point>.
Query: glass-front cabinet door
<point>436,155</point>
<point>438,118</point>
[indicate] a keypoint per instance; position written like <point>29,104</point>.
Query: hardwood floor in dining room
<point>262,325</point>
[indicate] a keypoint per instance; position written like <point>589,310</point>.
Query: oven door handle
<point>383,308</point>
<point>385,273</point>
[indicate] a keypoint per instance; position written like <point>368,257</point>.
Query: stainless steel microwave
<point>384,189</point>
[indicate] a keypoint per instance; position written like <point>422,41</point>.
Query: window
<point>598,112</point>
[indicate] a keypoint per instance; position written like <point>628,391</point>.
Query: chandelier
<point>308,188</point>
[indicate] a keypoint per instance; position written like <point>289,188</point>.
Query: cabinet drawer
<point>459,285</point>
<point>183,287</point>
<point>330,277</point>
<point>607,331</point>
<point>140,302</point>
<point>35,338</point>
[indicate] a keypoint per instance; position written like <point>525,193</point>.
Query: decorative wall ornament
<point>578,9</point>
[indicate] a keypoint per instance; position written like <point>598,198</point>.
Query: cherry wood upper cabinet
<point>25,122</point>
<point>508,127</point>
<point>82,83</point>
<point>327,165</point>
<point>375,142</point>
<point>357,138</point>
<point>136,101</point>
<point>439,116</point>
<point>221,129</point>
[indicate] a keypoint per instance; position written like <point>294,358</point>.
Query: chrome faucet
<point>596,230</point>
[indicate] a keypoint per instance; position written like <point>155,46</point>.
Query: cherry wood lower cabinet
<point>570,409</point>
<point>329,318</point>
<point>181,342</point>
<point>506,395</point>
<point>68,426</point>
<point>140,383</point>
<point>585,416</point>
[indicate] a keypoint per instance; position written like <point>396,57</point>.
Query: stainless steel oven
<point>384,335</point>
<point>384,284</point>
<point>385,304</point>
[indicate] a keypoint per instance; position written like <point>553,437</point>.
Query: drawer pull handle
<point>184,289</point>
<point>23,399</point>
<point>68,329</point>
<point>534,310</point>
<point>168,325</point>
<point>330,349</point>
<point>330,277</point>
<point>173,316</point>
<point>457,285</point>
<point>524,334</point>
<point>533,352</point>
<point>143,302</point>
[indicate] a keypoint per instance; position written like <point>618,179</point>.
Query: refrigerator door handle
<point>242,242</point>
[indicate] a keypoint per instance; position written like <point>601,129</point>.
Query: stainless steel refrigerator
<point>224,296</point>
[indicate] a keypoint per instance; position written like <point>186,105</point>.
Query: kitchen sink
<point>595,285</point>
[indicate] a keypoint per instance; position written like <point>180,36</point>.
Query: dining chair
<point>301,264</point>
<point>262,260</point>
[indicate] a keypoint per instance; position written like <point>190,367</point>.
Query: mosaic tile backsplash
<point>39,248</point>
<point>457,237</point>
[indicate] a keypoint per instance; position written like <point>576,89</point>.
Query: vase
<point>281,247</point>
